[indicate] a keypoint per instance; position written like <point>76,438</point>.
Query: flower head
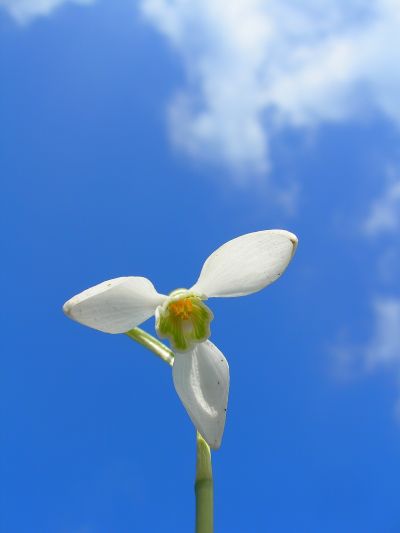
<point>183,319</point>
<point>241,266</point>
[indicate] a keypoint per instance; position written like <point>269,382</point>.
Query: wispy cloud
<point>379,229</point>
<point>23,11</point>
<point>381,351</point>
<point>254,67</point>
<point>384,345</point>
<point>384,214</point>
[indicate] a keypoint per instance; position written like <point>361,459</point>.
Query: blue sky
<point>134,140</point>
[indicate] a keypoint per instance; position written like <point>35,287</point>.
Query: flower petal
<point>116,305</point>
<point>246,264</point>
<point>201,379</point>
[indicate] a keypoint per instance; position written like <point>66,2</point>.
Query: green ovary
<point>185,322</point>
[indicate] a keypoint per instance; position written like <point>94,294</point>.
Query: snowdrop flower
<point>241,266</point>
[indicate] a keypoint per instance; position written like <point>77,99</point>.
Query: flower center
<point>183,319</point>
<point>181,309</point>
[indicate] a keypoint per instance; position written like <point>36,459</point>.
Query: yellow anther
<point>181,308</point>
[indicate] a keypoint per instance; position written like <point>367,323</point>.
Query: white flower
<point>241,266</point>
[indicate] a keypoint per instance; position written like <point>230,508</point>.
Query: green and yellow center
<point>183,319</point>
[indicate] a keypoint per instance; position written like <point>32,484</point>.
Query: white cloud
<point>255,66</point>
<point>384,215</point>
<point>380,351</point>
<point>23,11</point>
<point>383,350</point>
<point>384,346</point>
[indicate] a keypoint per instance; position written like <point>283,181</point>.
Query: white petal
<point>246,264</point>
<point>201,379</point>
<point>116,305</point>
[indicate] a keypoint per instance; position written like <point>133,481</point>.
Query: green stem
<point>204,488</point>
<point>153,344</point>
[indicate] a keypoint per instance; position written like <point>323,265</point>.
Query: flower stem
<point>203,486</point>
<point>153,344</point>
